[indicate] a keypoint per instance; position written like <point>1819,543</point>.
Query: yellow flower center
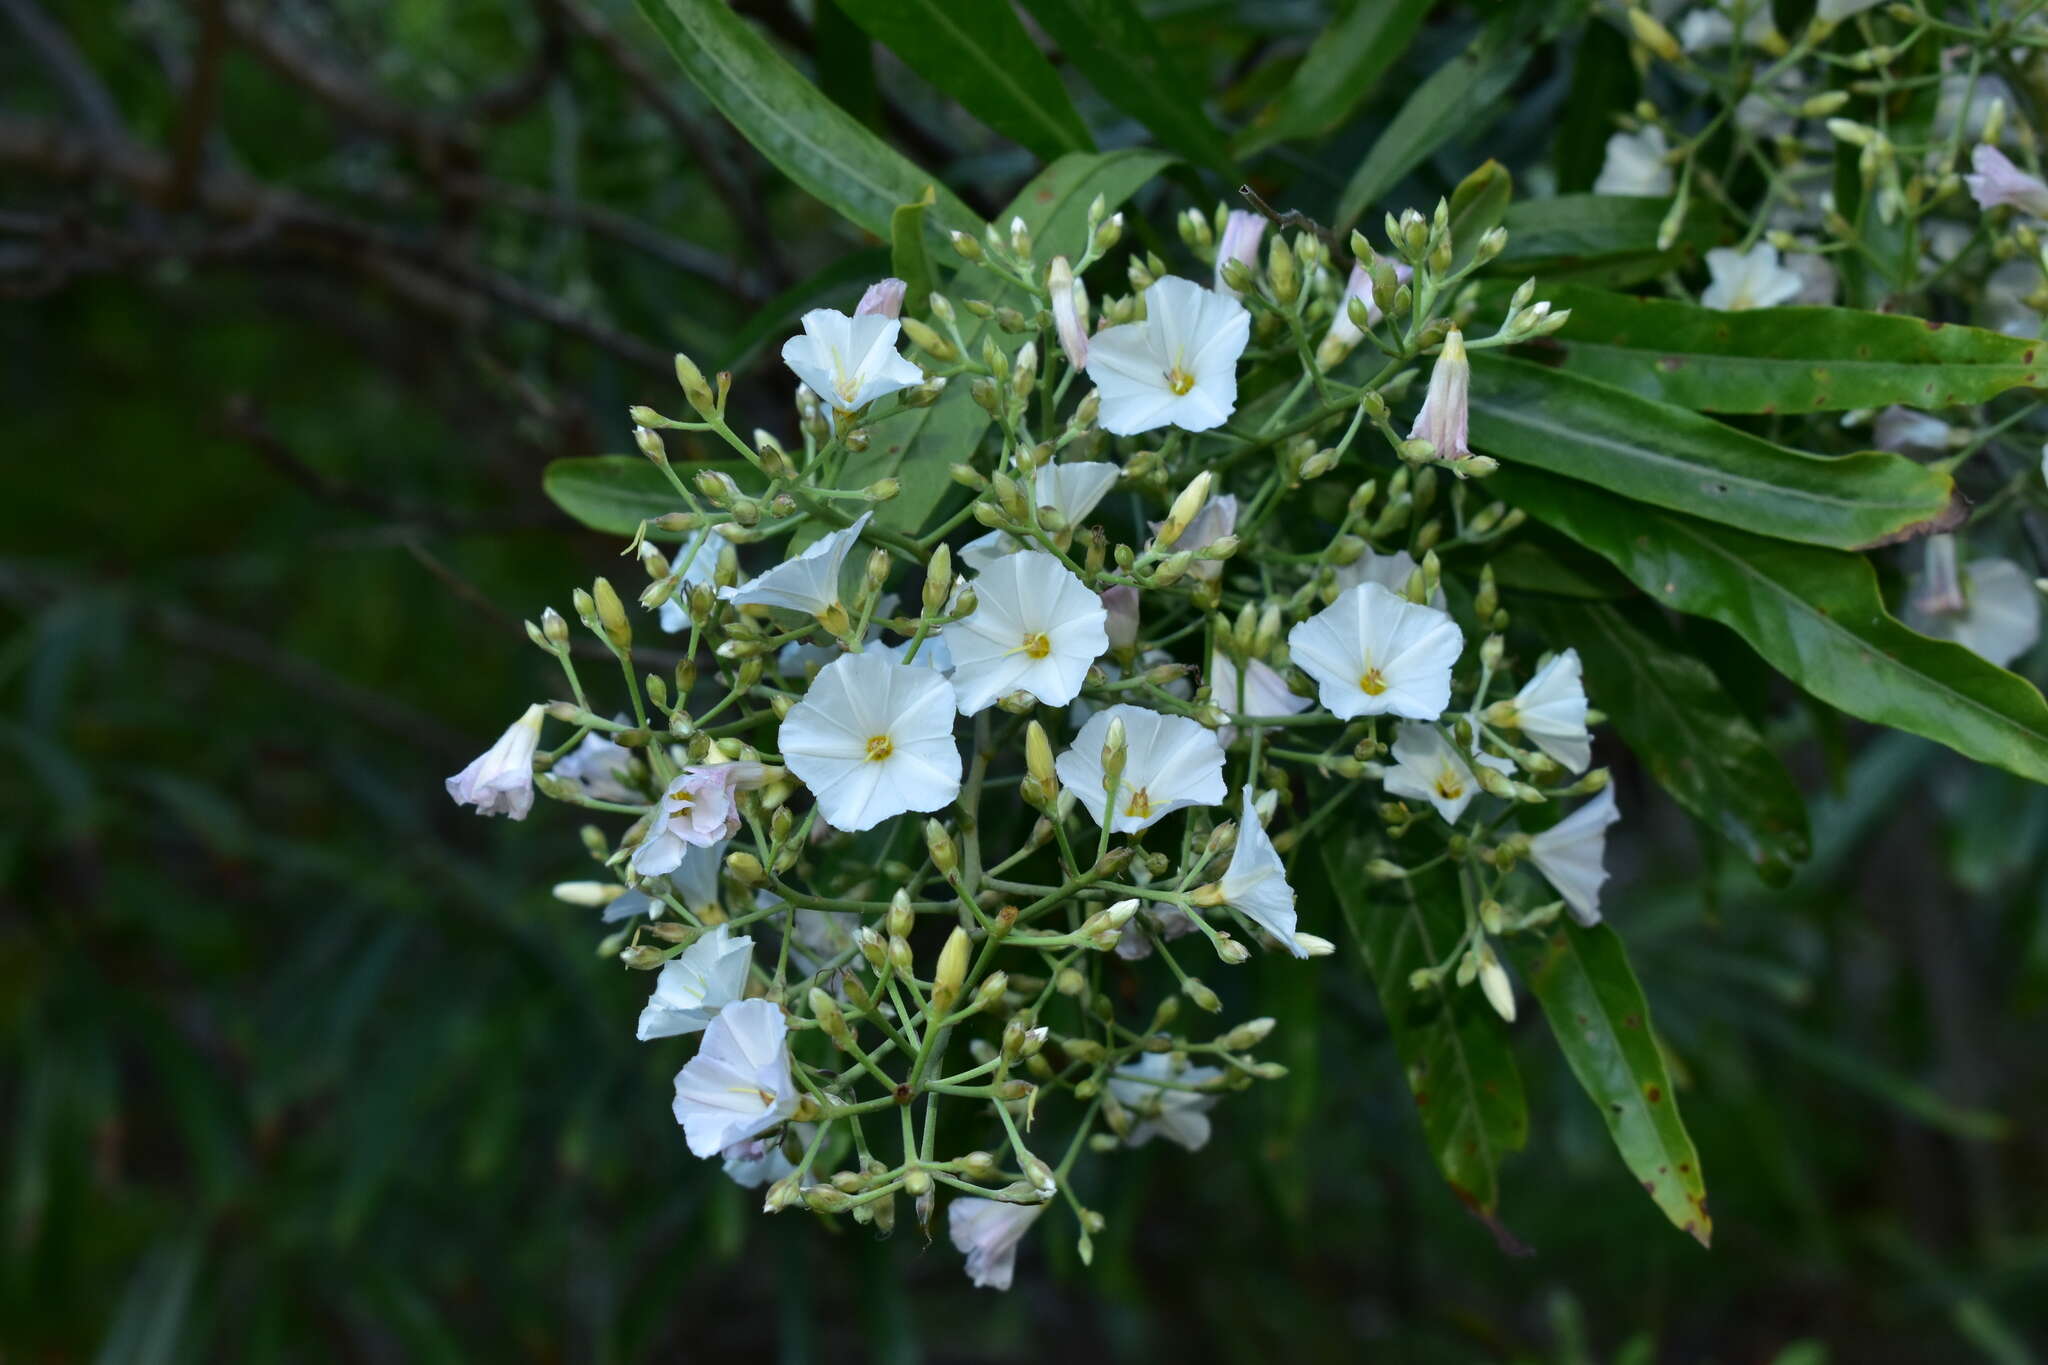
<point>1179,380</point>
<point>1140,804</point>
<point>879,748</point>
<point>682,802</point>
<point>1371,682</point>
<point>1448,786</point>
<point>1036,645</point>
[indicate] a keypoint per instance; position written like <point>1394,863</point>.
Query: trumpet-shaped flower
<point>738,1086</point>
<point>1572,853</point>
<point>1176,368</point>
<point>1158,1094</point>
<point>1255,883</point>
<point>1036,628</point>
<point>1551,710</point>
<point>1428,767</point>
<point>1242,232</point>
<point>849,362</point>
<point>1634,165</point>
<point>1997,181</point>
<point>499,781</point>
<point>1391,572</point>
<point>1991,609</point>
<point>1748,279</point>
<point>1069,311</point>
<point>1071,490</point>
<point>808,583</point>
<point>1256,690</point>
<point>1171,763</point>
<point>873,738</point>
<point>603,769</point>
<point>988,1231</point>
<point>691,990</point>
<point>697,810</point>
<point>1443,421</point>
<point>1373,653</point>
<point>695,563</point>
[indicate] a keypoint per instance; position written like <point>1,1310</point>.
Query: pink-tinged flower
<point>1069,311</point>
<point>883,299</point>
<point>1442,421</point>
<point>500,780</point>
<point>988,1231</point>
<point>1241,234</point>
<point>1997,181</point>
<point>1344,334</point>
<point>738,1086</point>
<point>696,811</point>
<point>1120,603</point>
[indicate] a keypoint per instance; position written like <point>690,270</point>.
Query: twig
<point>202,102</point>
<point>1340,255</point>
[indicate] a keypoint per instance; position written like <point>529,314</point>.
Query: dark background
<point>298,1061</point>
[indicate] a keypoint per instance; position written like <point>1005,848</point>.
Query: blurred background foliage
<point>299,1062</point>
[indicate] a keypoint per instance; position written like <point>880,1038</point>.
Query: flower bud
<point>951,971</point>
<point>1200,996</point>
<point>695,389</point>
<point>945,855</point>
<point>827,1012</point>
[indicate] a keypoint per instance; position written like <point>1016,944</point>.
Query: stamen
<point>1140,804</point>
<point>1179,380</point>
<point>1372,683</point>
<point>1448,786</point>
<point>879,748</point>
<point>1036,645</point>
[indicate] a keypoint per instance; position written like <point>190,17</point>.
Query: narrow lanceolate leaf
<point>1788,360</point>
<point>1341,68</point>
<point>981,56</point>
<point>1452,1045</point>
<point>1670,457</point>
<point>615,493</point>
<point>1454,97</point>
<point>1596,1009</point>
<point>1674,714</point>
<point>1600,239</point>
<point>1815,615</point>
<point>910,254</point>
<point>809,139</point>
<point>1055,204</point>
<point>1477,206</point>
<point>1119,51</point>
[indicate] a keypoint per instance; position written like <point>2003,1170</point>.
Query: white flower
<point>1069,311</point>
<point>738,1085</point>
<point>1634,165</point>
<point>1708,27</point>
<point>809,583</point>
<point>697,810</point>
<point>1906,432</point>
<point>1818,280</point>
<point>1176,368</point>
<point>987,1231</point>
<point>1172,763</point>
<point>849,362</point>
<point>1748,279</point>
<point>1255,883</point>
<point>1997,181</point>
<point>754,1162</point>
<point>499,781</point>
<point>601,767</point>
<point>932,654</point>
<point>1991,609</point>
<point>1257,690</point>
<point>1443,419</point>
<point>873,738</point>
<point>695,563</point>
<point>1571,853</point>
<point>1551,710</point>
<point>1391,572</point>
<point>884,298</point>
<point>1241,234</point>
<point>1151,1089</point>
<point>1071,490</point>
<point>1036,628</point>
<point>1373,653</point>
<point>1430,768</point>
<point>691,990</point>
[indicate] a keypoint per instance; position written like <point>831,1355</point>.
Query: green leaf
<point>1670,457</point>
<point>615,493</point>
<point>981,56</point>
<point>1055,204</point>
<point>1674,714</point>
<point>1600,239</point>
<point>1341,68</point>
<point>1596,1009</point>
<point>908,256</point>
<point>1477,207</point>
<point>1118,50</point>
<point>1788,360</point>
<point>1453,1047</point>
<point>1604,82</point>
<point>814,142</point>
<point>1454,97</point>
<point>1815,615</point>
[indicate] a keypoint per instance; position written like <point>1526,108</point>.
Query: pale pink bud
<point>1069,311</point>
<point>1241,234</point>
<point>1997,181</point>
<point>884,298</point>
<point>1121,602</point>
<point>1442,421</point>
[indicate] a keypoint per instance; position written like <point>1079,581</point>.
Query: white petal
<point>1572,852</point>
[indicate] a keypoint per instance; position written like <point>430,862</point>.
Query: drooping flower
<point>1992,608</point>
<point>1069,311</point>
<point>1255,882</point>
<point>1428,767</point>
<point>1256,690</point>
<point>1071,490</point>
<point>1176,368</point>
<point>1551,710</point>
<point>1906,432</point>
<point>809,583</point>
<point>1242,232</point>
<point>690,991</point>
<point>1634,165</point>
<point>1171,763</point>
<point>1391,572</point>
<point>1153,1089</point>
<point>1373,653</point>
<point>873,738</point>
<point>1168,922</point>
<point>1443,419</point>
<point>988,1231</point>
<point>499,781</point>
<point>603,769</point>
<point>1995,181</point>
<point>884,299</point>
<point>738,1086</point>
<point>849,362</point>
<point>1572,854</point>
<point>694,564</point>
<point>1748,279</point>
<point>754,1162</point>
<point>1120,604</point>
<point>1036,628</point>
<point>697,810</point>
